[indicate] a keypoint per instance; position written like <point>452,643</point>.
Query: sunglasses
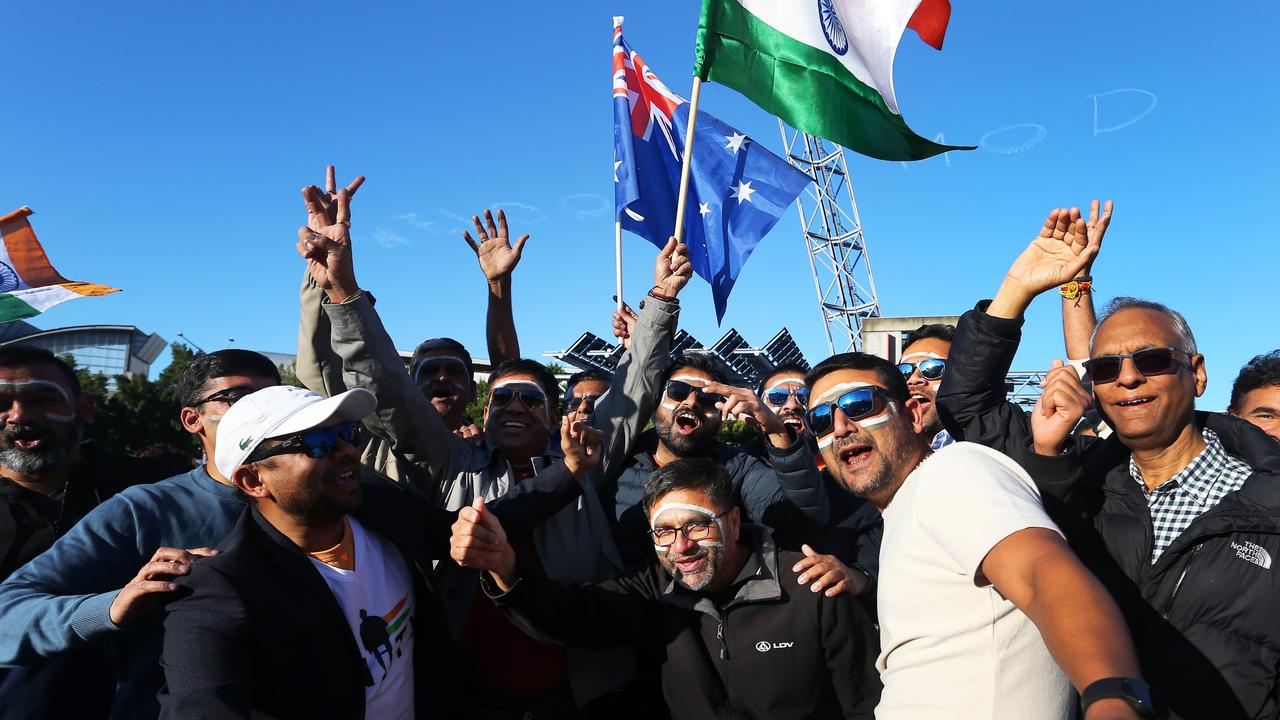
<point>778,397</point>
<point>930,369</point>
<point>679,391</point>
<point>321,442</point>
<point>502,397</point>
<point>1149,361</point>
<point>692,531</point>
<point>432,369</point>
<point>230,396</point>
<point>856,404</point>
<point>573,404</point>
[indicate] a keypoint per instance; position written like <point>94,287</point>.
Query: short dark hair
<point>221,363</point>
<point>787,367</point>
<point>19,356</point>
<point>706,362</point>
<point>578,377</point>
<point>696,473</point>
<point>1262,371</point>
<point>937,331</point>
<point>890,378</point>
<point>525,366</point>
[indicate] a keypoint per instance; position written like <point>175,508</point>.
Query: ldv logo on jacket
<point>766,646</point>
<point>1253,553</point>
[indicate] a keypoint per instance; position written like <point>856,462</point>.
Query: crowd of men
<point>903,543</point>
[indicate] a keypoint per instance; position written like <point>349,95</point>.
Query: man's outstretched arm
<point>498,258</point>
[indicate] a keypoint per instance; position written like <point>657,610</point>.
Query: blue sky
<point>162,147</point>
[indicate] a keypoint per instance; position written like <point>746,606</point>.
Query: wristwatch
<point>1136,693</point>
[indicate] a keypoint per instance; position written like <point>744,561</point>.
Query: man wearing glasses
<point>984,610</point>
<point>102,585</point>
<point>717,609</point>
<point>924,358</point>
<point>1176,512</point>
<point>784,392</point>
<point>583,390</point>
<point>318,603</point>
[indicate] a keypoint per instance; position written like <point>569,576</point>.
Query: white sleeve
<point>973,497</point>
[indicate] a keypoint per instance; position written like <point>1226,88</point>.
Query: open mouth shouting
<point>686,422</point>
<point>26,437</point>
<point>792,420</point>
<point>855,456</point>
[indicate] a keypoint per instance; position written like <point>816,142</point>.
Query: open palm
<point>1061,250</point>
<point>497,255</point>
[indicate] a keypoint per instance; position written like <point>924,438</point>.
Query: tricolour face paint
<point>783,383</point>
<point>34,386</point>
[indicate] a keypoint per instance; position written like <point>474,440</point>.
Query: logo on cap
<point>244,444</point>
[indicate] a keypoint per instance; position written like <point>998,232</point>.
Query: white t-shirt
<point>379,587</point>
<point>949,648</point>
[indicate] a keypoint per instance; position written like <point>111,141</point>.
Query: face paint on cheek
<point>55,417</point>
<point>826,440</point>
<point>881,418</point>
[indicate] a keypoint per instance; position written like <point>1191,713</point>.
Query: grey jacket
<point>575,545</point>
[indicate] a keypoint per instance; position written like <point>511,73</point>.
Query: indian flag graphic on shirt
<point>824,66</point>
<point>28,283</point>
<point>383,636</point>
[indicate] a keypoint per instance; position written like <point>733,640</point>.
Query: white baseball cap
<point>281,410</point>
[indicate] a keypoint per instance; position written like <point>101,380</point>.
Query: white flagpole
<point>617,253</point>
<point>688,157</point>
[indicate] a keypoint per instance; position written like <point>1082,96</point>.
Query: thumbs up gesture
<point>478,541</point>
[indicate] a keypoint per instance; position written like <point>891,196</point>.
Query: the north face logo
<point>766,646</point>
<point>1252,552</point>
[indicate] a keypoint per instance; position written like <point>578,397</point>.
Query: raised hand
<point>624,323</point>
<point>497,255</point>
<point>478,541</point>
<point>828,573</point>
<point>672,269</point>
<point>1061,251</point>
<point>1061,405</point>
<point>1095,229</point>
<point>581,444</point>
<point>151,588</point>
<point>325,242</point>
<point>743,404</point>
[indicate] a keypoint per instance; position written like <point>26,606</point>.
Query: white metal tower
<point>833,235</point>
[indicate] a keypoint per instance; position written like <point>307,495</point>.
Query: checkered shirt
<point>1198,487</point>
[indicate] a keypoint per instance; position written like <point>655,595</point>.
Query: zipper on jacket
<point>1168,606</point>
<point>723,636</point>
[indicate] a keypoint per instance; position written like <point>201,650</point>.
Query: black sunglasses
<point>230,395</point>
<point>1148,361</point>
<point>431,369</point>
<point>532,399</point>
<point>321,442</point>
<point>856,404</point>
<point>573,404</point>
<point>678,390</point>
<point>777,397</point>
<point>930,369</point>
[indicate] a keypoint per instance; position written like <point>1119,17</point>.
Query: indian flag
<point>28,283</point>
<point>823,66</point>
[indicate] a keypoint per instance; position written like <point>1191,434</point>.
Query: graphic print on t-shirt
<point>383,636</point>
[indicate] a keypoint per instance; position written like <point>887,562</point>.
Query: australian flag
<point>737,188</point>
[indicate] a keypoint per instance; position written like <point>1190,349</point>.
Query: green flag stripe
<point>808,88</point>
<point>12,308</point>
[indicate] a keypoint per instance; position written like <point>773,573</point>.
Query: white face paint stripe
<point>690,379</point>
<point>935,356</point>
<point>870,422</point>
<point>788,381</point>
<point>505,383</point>
<point>653,519</point>
<point>446,358</point>
<point>839,390</point>
<point>37,382</point>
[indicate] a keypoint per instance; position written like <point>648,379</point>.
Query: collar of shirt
<point>1198,477</point>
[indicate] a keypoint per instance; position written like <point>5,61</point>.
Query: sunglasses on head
<point>858,403</point>
<point>230,396</point>
<point>573,404</point>
<point>321,442</point>
<point>1149,361</point>
<point>679,391</point>
<point>530,398</point>
<point>930,369</point>
<point>778,397</point>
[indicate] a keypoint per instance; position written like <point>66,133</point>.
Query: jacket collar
<point>757,581</point>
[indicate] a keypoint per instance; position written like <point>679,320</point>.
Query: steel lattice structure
<point>832,230</point>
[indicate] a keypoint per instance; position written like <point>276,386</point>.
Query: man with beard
<point>322,563</point>
<point>784,392</point>
<point>984,610</point>
<point>923,362</point>
<point>49,480</point>
<point>505,673</point>
<point>716,611</point>
<point>1178,512</point>
<point>789,496</point>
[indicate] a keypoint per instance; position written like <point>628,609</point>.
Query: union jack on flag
<point>739,188</point>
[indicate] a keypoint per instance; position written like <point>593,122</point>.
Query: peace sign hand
<point>322,205</point>
<point>326,241</point>
<point>497,255</point>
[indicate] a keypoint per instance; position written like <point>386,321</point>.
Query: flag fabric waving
<point>824,67</point>
<point>28,283</point>
<point>737,188</point>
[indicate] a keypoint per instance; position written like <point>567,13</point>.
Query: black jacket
<point>259,632</point>
<point>29,523</point>
<point>1206,616</point>
<point>772,649</point>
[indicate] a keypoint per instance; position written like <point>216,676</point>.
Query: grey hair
<point>1186,341</point>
